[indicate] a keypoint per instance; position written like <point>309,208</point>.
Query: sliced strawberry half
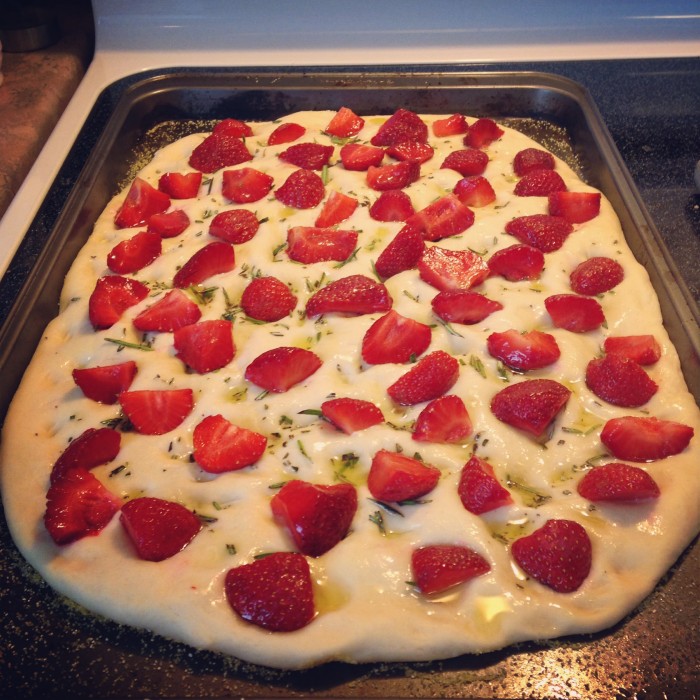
<point>452,269</point>
<point>618,483</point>
<point>479,489</point>
<point>286,133</point>
<point>596,276</point>
<point>180,185</point>
<point>310,156</point>
<point>444,217</point>
<point>219,150</point>
<point>135,253</point>
<point>620,381</point>
<point>104,383</point>
<point>205,346</point>
<point>220,446</point>
<point>542,231</point>
<point>232,127</point>
<point>523,351</point>
<point>311,244</point>
<point>141,202</point>
<point>643,349</point>
<point>575,313</point>
<point>245,185</point>
<point>169,224</point>
<point>467,162</point>
<point>463,306</point>
<point>213,259</point>
<point>395,338</point>
<point>353,295</point>
<point>395,477</point>
<point>350,415</point>
<point>403,252</point>
<point>482,133</point>
<point>111,297</point>
<point>338,207</point>
<point>539,183</point>
<point>517,262</point>
<point>443,420</point>
<point>267,299</point>
<point>645,439</point>
<point>392,205</point>
<point>344,124</point>
<point>530,159</point>
<point>439,567</point>
<point>303,189</point>
<point>360,156</point>
<point>414,151</point>
<point>234,225</point>
<point>156,411</point>
<point>474,191</point>
<point>280,369</point>
<point>92,448</point>
<point>402,125</point>
<point>432,376</point>
<point>453,125</point>
<point>394,176</point>
<point>575,207</point>
<point>169,313</point>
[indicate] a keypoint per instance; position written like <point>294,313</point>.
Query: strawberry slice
<point>213,259</point>
<point>104,383</point>
<point>267,299</point>
<point>596,276</point>
<point>414,151</point>
<point>618,483</point>
<point>438,567</point>
<point>431,377</point>
<point>141,202</point>
<point>402,125</point>
<point>394,176</point>
<point>344,124</point>
<point>463,306</point>
<point>219,150</point>
<point>523,351</point>
<point>360,156</point>
<point>354,295</point>
<point>645,439</point>
<point>92,448</point>
<point>280,369</point>
<point>482,133</point>
<point>275,592</point>
<point>245,185</point>
<point>392,205</point>
<point>180,185</point>
<point>234,225</point>
<point>443,420</point>
<point>530,405</point>
<point>542,231</point>
<point>539,183</point>
<point>479,489</point>
<point>169,313</point>
<point>474,191</point>
<point>452,269</point>
<point>444,217</point>
<point>135,253</point>
<point>450,126</point>
<point>574,313</point>
<point>169,224</point>
<point>232,127</point>
<point>403,253</point>
<point>77,506</point>
<point>310,156</point>
<point>575,207</point>
<point>530,159</point>
<point>517,262</point>
<point>558,555</point>
<point>620,381</point>
<point>395,338</point>
<point>338,207</point>
<point>643,349</point>
<point>156,411</point>
<point>467,162</point>
<point>205,346</point>
<point>395,477</point>
<point>303,189</point>
<point>286,133</point>
<point>220,446</point>
<point>351,415</point>
<point>316,516</point>
<point>111,297</point>
<point>158,529</point>
<point>310,244</point>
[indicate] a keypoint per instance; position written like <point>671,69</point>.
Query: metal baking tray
<point>50,648</point>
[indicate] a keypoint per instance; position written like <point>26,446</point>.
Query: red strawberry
<point>360,156</point>
<point>394,338</point>
<point>403,253</point>
<point>439,567</point>
<point>474,191</point>
<point>414,151</point>
<point>338,207</point>
<point>452,269</point>
<point>394,477</point>
<point>530,159</point>
<point>645,439</point>
<point>444,217</point>
<point>232,127</point>
<point>92,448</point>
<point>574,313</point>
<point>219,150</point>
<point>432,376</point>
<point>280,369</point>
<point>245,185</point>
<point>401,126</point>
<point>77,506</point>
<point>618,483</point>
<point>544,232</point>
<point>392,205</point>
<point>463,306</point>
<point>135,253</point>
<point>317,516</point>
<point>351,415</point>
<point>213,259</point>
<point>596,276</point>
<point>103,384</point>
<point>620,381</point>
<point>394,176</point>
<point>539,183</point>
<point>450,126</point>
<point>643,349</point>
<point>523,351</point>
<point>169,313</point>
<point>558,555</point>
<point>156,411</point>
<point>111,297</point>
<point>169,224</point>
<point>482,133</point>
<point>141,202</point>
<point>530,405</point>
<point>479,489</point>
<point>180,185</point>
<point>517,262</point>
<point>275,592</point>
<point>354,295</point>
<point>234,225</point>
<point>344,124</point>
<point>310,244</point>
<point>311,156</point>
<point>286,133</point>
<point>158,529</point>
<point>467,162</point>
<point>205,346</point>
<point>575,207</point>
<point>303,189</point>
<point>220,446</point>
<point>443,420</point>
<point>267,299</point>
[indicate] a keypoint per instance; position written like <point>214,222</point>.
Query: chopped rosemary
<point>146,347</point>
<point>378,519</point>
